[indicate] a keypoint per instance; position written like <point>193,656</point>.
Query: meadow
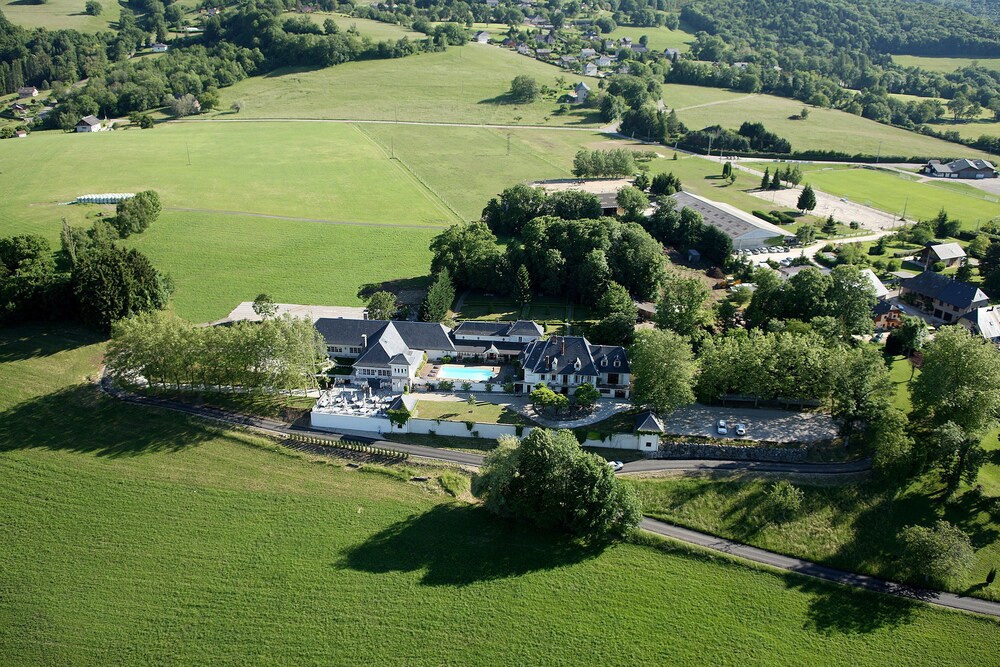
<point>659,38</point>
<point>945,64</point>
<point>135,536</point>
<point>460,85</point>
<point>375,30</point>
<point>892,191</point>
<point>61,14</point>
<point>824,129</point>
<point>241,181</point>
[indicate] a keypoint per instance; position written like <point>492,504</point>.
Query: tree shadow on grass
<point>81,419</point>
<point>33,341</point>
<point>837,609</point>
<point>459,545</point>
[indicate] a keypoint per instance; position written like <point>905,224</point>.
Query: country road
<point>746,552</point>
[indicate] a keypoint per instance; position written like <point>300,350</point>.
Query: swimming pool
<point>467,373</point>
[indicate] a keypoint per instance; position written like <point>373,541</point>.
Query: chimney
<point>364,341</point>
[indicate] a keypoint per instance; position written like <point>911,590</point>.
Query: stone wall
<point>729,453</point>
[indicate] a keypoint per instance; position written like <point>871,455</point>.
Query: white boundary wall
<point>377,425</point>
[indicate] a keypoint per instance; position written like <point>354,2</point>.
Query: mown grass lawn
<point>460,411</point>
<point>135,536</point>
<point>892,193</point>
<point>465,84</point>
<point>329,171</point>
<point>825,129</point>
<point>217,261</point>
<point>60,15</point>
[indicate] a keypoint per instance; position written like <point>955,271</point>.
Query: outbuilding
<point>89,124</point>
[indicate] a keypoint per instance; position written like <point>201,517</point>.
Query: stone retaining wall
<point>730,453</point>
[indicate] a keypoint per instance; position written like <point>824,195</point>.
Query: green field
<point>825,129</point>
<point>891,192</point>
<point>972,128</point>
<point>660,38</point>
<point>945,64</point>
<point>135,536</point>
<point>375,30</point>
<point>220,255</point>
<point>460,85</point>
<point>460,411</point>
<point>60,14</point>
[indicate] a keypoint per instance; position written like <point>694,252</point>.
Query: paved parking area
<point>762,424</point>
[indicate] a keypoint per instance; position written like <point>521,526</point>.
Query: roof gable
<point>953,292</point>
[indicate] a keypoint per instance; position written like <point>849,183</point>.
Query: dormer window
<point>618,362</point>
<point>604,362</point>
<point>555,362</point>
<point>577,365</point>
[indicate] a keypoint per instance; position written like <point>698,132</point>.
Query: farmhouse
<point>20,134</point>
<point>886,315</point>
<point>963,168</point>
<point>590,69</point>
<point>494,340</point>
<point>942,297</point>
<point>605,61</point>
<point>160,47</point>
<point>983,322</point>
<point>88,124</point>
<point>949,254</point>
<point>481,37</point>
<point>565,362</point>
<point>582,91</point>
<point>386,354</point>
<point>587,53</point>
<point>27,91</point>
<point>745,230</point>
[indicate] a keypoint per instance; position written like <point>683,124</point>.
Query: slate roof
<point>89,120</point>
<point>395,336</point>
<point>985,321</point>
<point>952,292</point>
<point>559,355</point>
<point>507,329</point>
<point>882,307</point>
<point>573,355</point>
<point>959,165</point>
<point>647,422</point>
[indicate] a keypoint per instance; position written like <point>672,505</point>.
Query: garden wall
<point>730,453</point>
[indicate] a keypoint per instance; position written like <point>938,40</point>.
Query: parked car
<point>721,427</point>
<point>616,465</point>
<point>741,429</point>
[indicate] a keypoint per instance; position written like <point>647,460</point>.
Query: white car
<point>741,429</point>
<point>721,428</point>
<point>616,465</point>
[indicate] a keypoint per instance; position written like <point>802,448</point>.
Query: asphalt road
<point>744,551</point>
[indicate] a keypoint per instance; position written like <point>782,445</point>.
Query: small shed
<point>89,124</point>
<point>649,429</point>
<point>481,37</point>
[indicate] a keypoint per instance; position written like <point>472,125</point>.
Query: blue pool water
<point>467,373</point>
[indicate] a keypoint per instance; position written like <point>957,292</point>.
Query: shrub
<point>467,386</point>
<point>446,385</point>
<point>489,387</point>
<point>470,425</point>
<point>508,387</point>
<point>784,500</point>
<point>783,217</point>
<point>766,217</point>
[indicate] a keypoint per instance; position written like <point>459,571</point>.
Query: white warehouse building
<point>746,231</point>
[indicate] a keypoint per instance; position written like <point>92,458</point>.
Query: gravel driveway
<point>762,424</point>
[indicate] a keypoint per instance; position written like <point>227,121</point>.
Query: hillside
<point>136,536</point>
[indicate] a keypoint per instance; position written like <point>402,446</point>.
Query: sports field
<point>945,64</point>
<point>134,537</point>
<point>824,129</point>
<point>892,192</point>
<point>60,14</point>
<point>460,85</point>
